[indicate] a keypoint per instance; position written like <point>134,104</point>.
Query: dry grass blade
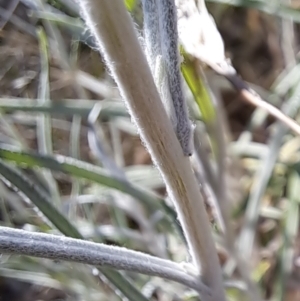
<point>253,98</point>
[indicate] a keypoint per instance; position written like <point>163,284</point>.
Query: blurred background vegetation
<point>51,77</point>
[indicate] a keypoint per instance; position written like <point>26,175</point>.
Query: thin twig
<point>251,97</point>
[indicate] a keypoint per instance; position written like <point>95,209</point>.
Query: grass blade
<point>44,129</point>
<point>199,91</point>
<point>290,231</point>
<point>93,173</point>
<point>43,203</point>
<point>262,177</point>
<point>66,107</point>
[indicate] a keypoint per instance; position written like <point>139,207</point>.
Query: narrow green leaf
<point>93,173</point>
<point>39,198</point>
<point>43,203</point>
<point>44,128</point>
<point>66,107</point>
<point>130,5</point>
<point>199,91</point>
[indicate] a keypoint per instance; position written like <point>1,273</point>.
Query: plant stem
<point>114,32</point>
<point>56,247</point>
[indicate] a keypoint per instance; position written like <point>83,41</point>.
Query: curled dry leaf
<point>200,37</point>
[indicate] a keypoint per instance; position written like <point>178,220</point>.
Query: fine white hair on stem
<point>113,29</point>
<point>170,54</point>
<point>161,37</point>
<point>56,247</point>
<point>162,83</point>
<point>151,32</point>
<point>154,55</point>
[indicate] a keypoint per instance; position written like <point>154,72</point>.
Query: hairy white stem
<point>151,32</point>
<point>162,84</point>
<point>113,29</point>
<point>170,55</point>
<point>161,39</point>
<point>21,242</point>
